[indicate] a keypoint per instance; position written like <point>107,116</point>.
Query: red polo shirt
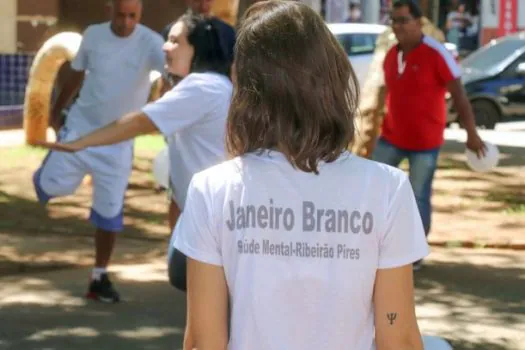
<point>416,108</point>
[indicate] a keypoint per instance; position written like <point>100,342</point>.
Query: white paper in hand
<point>483,164</point>
<point>161,168</point>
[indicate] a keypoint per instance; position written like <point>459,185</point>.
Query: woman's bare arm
<point>128,127</point>
<point>208,306</point>
<point>395,318</point>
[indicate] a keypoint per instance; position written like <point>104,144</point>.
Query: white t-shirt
<point>193,117</point>
<point>300,251</point>
<point>117,75</point>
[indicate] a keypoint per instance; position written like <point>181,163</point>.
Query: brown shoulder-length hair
<point>295,90</point>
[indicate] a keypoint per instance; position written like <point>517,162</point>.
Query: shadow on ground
<point>472,298</point>
<point>477,305</point>
<point>480,207</point>
<point>46,312</point>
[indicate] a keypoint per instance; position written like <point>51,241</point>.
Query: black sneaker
<point>102,290</point>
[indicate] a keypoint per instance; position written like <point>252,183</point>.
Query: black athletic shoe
<point>102,290</point>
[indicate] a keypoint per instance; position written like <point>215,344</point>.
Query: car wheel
<point>486,114</point>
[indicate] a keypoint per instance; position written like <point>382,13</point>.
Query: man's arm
<point>466,116</point>
<point>395,318</point>
<point>70,88</point>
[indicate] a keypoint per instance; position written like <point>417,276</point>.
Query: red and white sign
<point>508,17</point>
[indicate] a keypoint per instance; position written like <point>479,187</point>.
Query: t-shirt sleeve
<point>156,53</point>
<point>80,62</point>
<point>403,239</point>
<point>447,67</point>
<point>180,107</point>
<point>194,233</point>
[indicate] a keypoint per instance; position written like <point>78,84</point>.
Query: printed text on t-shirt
<point>297,249</point>
<point>313,219</point>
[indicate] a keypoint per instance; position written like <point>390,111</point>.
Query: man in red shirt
<point>418,72</point>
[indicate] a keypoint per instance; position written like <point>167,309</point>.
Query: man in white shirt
<point>112,70</point>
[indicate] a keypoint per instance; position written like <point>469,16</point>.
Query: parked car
<point>359,42</point>
<point>494,79</point>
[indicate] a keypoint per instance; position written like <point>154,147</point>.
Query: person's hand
<point>476,145</point>
<point>61,147</point>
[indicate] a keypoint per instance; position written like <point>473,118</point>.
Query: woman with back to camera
<point>295,243</point>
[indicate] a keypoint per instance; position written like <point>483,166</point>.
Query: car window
<point>491,56</point>
<point>358,43</point>
<point>346,42</point>
<point>363,43</point>
<point>510,72</point>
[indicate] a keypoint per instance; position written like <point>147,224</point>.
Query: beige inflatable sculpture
<point>372,103</point>
<point>46,64</point>
<point>59,49</point>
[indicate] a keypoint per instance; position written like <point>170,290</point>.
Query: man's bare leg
<point>104,244</point>
<point>101,288</point>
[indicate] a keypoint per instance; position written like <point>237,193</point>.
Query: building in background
<point>501,17</point>
<point>337,11</point>
<point>492,18</point>
<point>26,24</point>
<point>315,4</point>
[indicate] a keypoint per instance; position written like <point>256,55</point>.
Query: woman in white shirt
<point>295,243</point>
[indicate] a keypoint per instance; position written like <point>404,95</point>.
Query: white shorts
<point>109,166</point>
